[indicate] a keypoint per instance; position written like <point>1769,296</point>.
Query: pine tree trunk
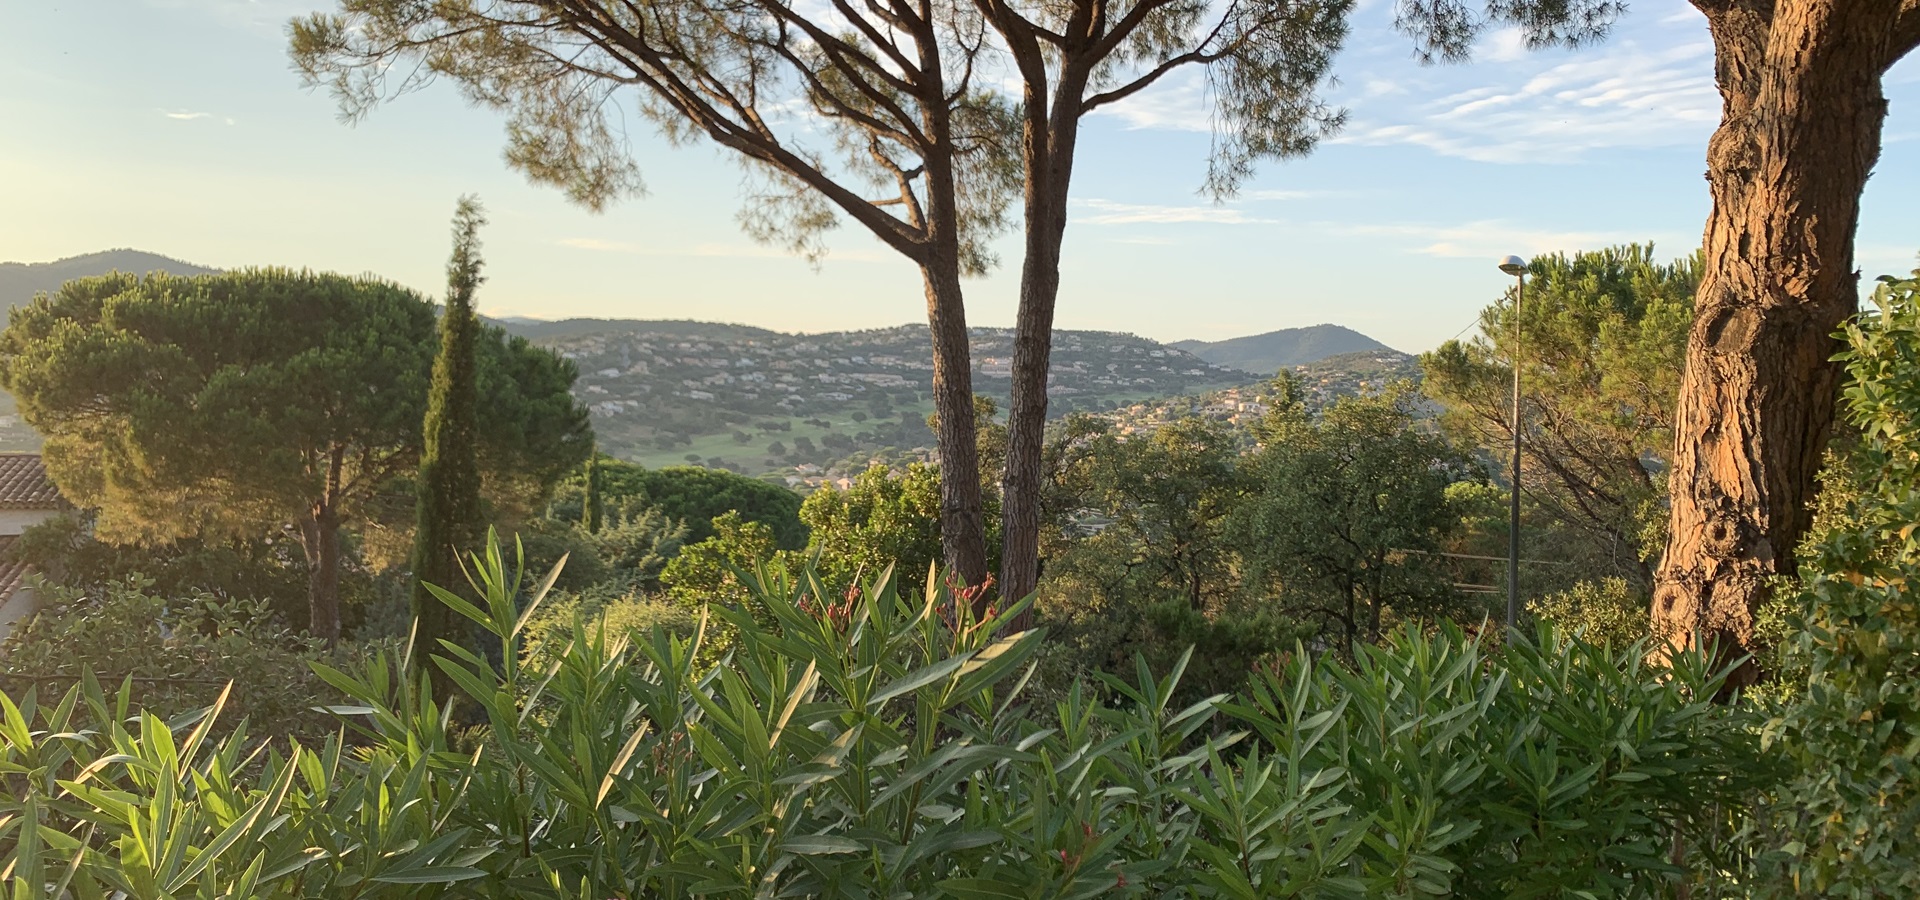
<point>320,538</point>
<point>1049,147</point>
<point>963,532</point>
<point>1800,131</point>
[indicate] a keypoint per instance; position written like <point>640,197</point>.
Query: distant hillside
<point>541,329</point>
<point>20,281</point>
<point>1323,382</point>
<point>809,407</point>
<point>1268,353</point>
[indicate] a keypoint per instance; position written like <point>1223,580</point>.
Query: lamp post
<point>1517,267</point>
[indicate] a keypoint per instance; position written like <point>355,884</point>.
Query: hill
<point>815,406</point>
<point>1323,381</point>
<point>1268,353</point>
<point>20,281</point>
<point>562,329</point>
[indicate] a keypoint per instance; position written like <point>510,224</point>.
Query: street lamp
<point>1517,267</point>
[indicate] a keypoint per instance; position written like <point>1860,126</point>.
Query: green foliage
<point>63,549</point>
<point>1162,501</point>
<point>1227,646</point>
<point>1605,612</point>
<point>628,554</point>
<point>877,746</point>
<point>710,572</point>
<point>236,405</point>
<point>181,648</point>
<point>1850,821</point>
<point>1544,768</point>
<point>881,520</point>
<point>555,622</point>
<point>636,548</point>
<point>1347,511</point>
<point>448,518</point>
<point>689,494</point>
<point>1158,575</point>
<point>1601,337</point>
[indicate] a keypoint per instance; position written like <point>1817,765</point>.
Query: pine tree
<point>449,517</point>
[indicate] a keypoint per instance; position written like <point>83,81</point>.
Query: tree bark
<point>1800,130</point>
<point>1049,141</point>
<point>963,534</point>
<point>320,538</point>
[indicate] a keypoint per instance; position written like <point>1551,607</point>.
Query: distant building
<point>27,497</point>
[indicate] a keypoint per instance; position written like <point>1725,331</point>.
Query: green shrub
<point>872,745</point>
<point>1547,767</point>
<point>1849,824</point>
<point>552,625</point>
<point>179,651</point>
<point>1603,612</point>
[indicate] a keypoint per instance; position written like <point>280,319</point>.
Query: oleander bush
<point>871,744</point>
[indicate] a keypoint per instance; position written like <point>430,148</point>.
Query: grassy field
<point>752,456</point>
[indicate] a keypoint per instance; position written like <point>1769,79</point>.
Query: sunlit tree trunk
<point>963,536</point>
<point>1800,131</point>
<point>320,539</point>
<point>1049,143</point>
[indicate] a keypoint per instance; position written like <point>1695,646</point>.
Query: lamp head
<point>1513,265</point>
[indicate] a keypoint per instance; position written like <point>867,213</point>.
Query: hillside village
<point>807,408</point>
<point>1324,381</point>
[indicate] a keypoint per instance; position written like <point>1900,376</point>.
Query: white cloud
<point>1178,102</point>
<point>1623,96</point>
<point>1649,86</point>
<point>1505,45</point>
<point>1294,194</point>
<point>263,17</point>
<point>184,115</point>
<point>1372,88</point>
<point>733,251</point>
<point>1492,239</point>
<point>1108,212</point>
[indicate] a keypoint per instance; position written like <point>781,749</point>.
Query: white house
<point>27,497</point>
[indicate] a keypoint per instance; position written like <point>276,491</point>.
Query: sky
<point>178,127</point>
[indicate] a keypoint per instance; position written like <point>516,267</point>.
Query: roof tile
<point>24,483</point>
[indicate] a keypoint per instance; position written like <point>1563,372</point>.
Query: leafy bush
<point>552,625</point>
<point>1545,767</point>
<point>1849,824</point>
<point>1095,632</point>
<point>711,571</point>
<point>179,651</point>
<point>690,494</point>
<point>877,746</point>
<point>1604,612</point>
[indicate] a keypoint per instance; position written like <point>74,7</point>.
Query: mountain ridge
<point>19,281</point>
<point>1266,354</point>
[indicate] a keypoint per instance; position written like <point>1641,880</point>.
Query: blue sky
<point>176,126</point>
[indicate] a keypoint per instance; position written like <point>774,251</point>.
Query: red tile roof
<point>24,483</point>
<point>10,572</point>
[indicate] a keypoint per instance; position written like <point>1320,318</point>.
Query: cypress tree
<point>449,517</point>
